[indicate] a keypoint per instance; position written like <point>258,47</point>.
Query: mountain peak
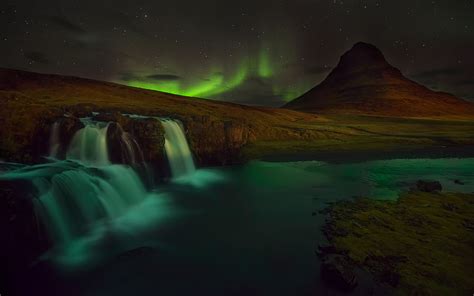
<point>365,83</point>
<point>366,47</point>
<point>362,56</point>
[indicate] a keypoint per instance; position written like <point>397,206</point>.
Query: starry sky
<point>258,52</point>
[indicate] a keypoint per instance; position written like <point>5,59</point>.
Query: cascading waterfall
<point>85,188</point>
<point>89,145</point>
<point>177,149</point>
<point>54,141</point>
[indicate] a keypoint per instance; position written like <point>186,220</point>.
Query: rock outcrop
<point>66,127</point>
<point>143,136</point>
<point>216,142</point>
<point>428,186</point>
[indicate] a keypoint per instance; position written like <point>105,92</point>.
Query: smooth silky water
<point>242,230</point>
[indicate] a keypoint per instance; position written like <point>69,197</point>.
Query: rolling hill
<point>219,133</point>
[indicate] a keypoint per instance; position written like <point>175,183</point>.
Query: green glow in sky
<point>221,77</point>
<point>216,83</point>
<point>264,64</point>
<point>289,92</point>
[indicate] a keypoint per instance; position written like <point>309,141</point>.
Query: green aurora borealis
<point>216,83</point>
<point>262,66</point>
<point>248,52</point>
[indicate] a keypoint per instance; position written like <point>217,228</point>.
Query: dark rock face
<point>212,142</point>
<point>428,186</point>
<point>216,142</point>
<point>338,273</point>
<point>67,127</point>
<point>136,141</point>
<point>150,136</point>
<point>25,137</point>
<point>122,147</point>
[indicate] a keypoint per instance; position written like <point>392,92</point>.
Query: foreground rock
<point>428,186</point>
<point>420,245</point>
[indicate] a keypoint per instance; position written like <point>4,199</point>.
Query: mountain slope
<point>365,83</point>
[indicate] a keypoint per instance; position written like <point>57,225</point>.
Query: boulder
<point>338,273</point>
<point>428,186</point>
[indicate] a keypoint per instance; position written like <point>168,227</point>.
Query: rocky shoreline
<point>422,244</point>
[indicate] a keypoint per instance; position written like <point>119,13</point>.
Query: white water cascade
<point>89,145</point>
<point>54,142</point>
<point>86,188</point>
<point>177,149</point>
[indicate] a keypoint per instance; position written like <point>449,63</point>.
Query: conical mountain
<point>365,83</point>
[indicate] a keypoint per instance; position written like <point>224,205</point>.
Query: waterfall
<point>84,189</point>
<point>54,141</point>
<point>73,196</point>
<point>89,145</point>
<point>177,149</point>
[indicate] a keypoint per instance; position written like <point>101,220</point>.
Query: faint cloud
<point>37,57</point>
<point>66,24</point>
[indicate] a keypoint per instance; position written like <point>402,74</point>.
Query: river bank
<point>421,244</point>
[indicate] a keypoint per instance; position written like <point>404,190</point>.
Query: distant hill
<point>365,83</point>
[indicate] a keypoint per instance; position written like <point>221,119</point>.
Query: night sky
<point>246,51</point>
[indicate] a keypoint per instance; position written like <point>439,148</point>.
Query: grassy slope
<point>29,96</point>
<point>346,134</point>
<point>424,242</point>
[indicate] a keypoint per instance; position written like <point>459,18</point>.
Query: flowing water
<point>177,149</point>
<point>89,145</point>
<point>75,194</point>
<point>54,142</point>
<point>242,230</point>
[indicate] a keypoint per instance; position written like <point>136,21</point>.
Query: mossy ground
<point>422,244</point>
